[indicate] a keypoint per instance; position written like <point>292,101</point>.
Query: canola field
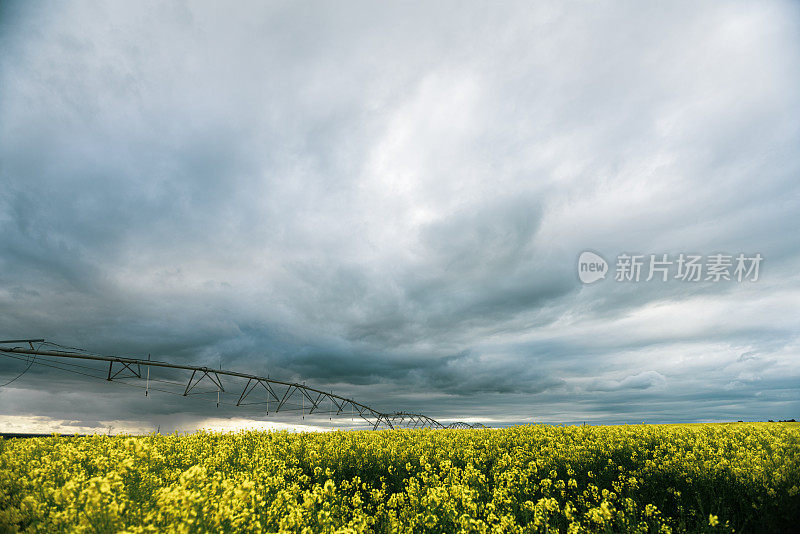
<point>642,478</point>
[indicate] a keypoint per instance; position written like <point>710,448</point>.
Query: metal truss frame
<point>275,392</point>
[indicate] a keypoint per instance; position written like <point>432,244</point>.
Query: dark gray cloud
<point>389,201</point>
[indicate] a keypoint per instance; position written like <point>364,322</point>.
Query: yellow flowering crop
<point>675,478</point>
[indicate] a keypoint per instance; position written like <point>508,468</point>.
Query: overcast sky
<point>389,200</point>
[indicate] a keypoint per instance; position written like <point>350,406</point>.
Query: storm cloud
<point>389,201</point>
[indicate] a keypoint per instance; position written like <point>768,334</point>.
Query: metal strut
<point>212,375</point>
<point>125,365</point>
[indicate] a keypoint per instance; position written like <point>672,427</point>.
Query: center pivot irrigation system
<point>276,395</point>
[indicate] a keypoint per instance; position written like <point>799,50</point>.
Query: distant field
<point>674,478</point>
